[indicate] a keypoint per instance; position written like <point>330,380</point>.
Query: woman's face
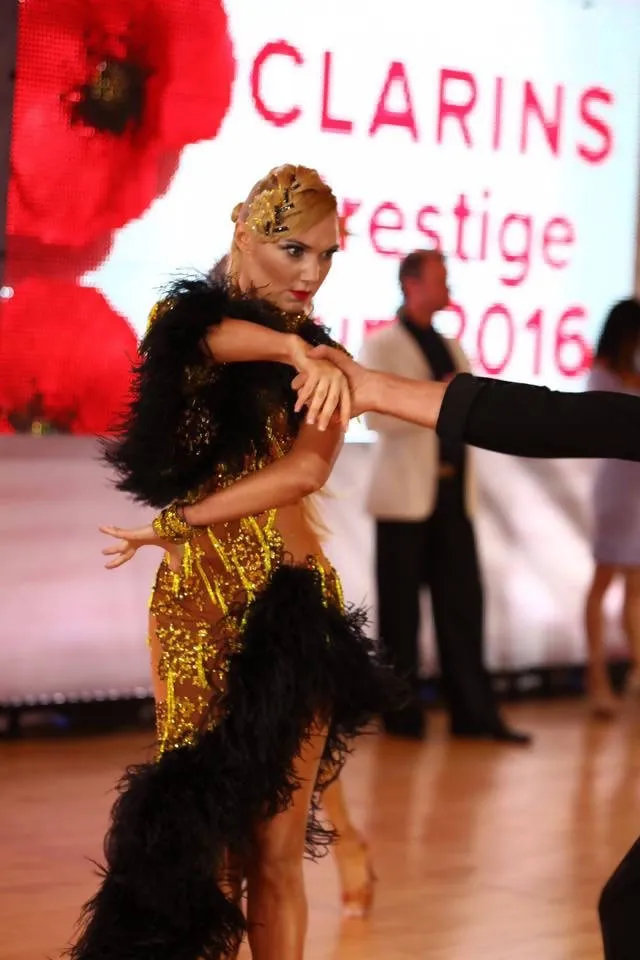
<point>290,271</point>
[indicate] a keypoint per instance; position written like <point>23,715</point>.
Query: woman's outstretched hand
<point>130,541</point>
<point>324,388</point>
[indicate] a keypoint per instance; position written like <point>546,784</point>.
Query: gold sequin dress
<point>197,615</point>
<point>251,644</point>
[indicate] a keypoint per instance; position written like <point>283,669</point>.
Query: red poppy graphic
<point>65,359</point>
<point>27,256</point>
<point>108,92</point>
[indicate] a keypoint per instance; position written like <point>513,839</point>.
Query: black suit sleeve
<point>528,421</point>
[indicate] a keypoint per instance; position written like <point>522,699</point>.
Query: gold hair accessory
<point>268,209</point>
<point>170,525</point>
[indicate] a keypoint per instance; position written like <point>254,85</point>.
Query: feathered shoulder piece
<point>189,416</point>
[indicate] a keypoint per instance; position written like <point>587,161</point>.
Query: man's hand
<point>362,384</point>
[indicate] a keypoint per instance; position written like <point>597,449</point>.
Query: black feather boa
<point>176,818</point>
<point>189,415</point>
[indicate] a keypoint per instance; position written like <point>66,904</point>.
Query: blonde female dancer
<point>355,869</point>
<point>262,677</point>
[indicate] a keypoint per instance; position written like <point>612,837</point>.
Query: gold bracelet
<point>170,525</point>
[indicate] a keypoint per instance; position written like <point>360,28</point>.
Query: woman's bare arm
<point>304,470</point>
<point>238,341</point>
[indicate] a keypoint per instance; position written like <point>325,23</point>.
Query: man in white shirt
<point>422,498</point>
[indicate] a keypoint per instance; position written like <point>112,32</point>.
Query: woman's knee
<point>602,578</point>
<point>632,585</point>
<point>279,848</point>
<point>282,871</point>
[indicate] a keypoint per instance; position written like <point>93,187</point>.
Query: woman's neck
<point>243,288</point>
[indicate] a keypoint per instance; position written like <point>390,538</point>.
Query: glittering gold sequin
<point>158,310</point>
<point>171,526</point>
<point>198,614</point>
<point>176,721</point>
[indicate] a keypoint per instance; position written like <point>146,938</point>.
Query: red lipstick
<point>300,294</point>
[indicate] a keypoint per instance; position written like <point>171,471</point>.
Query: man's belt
<point>446,471</point>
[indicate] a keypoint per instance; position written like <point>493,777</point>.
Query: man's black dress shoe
<point>409,722</point>
<point>498,734</point>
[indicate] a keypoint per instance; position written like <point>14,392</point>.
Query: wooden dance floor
<point>483,852</point>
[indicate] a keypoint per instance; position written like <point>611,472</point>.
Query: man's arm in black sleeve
<point>529,421</point>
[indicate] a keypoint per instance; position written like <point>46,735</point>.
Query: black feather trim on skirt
<point>178,818</point>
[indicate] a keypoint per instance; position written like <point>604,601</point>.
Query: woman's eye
<point>295,252</point>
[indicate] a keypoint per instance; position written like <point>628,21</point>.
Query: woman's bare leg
<point>231,879</point>
<point>601,696</point>
<point>277,904</point>
<point>351,852</point>
<point>231,885</point>
<point>335,806</point>
<point>631,620</point>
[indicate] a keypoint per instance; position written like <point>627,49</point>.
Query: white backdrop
<point>505,132</point>
<point>508,134</point>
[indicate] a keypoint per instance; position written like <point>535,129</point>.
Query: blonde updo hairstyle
<point>289,200</point>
